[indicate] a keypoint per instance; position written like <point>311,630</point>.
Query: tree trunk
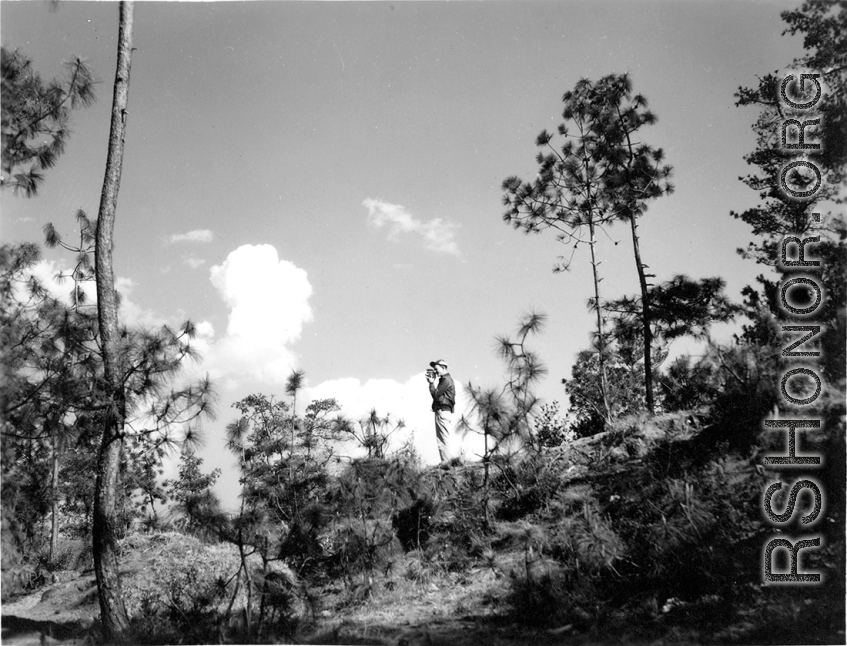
<point>112,609</point>
<point>645,320</point>
<point>153,508</point>
<point>645,294</point>
<point>54,498</point>
<point>601,337</point>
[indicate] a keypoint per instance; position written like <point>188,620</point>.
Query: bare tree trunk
<point>112,610</point>
<point>645,294</point>
<point>601,336</point>
<point>485,461</point>
<point>153,508</point>
<point>54,498</point>
<point>645,320</point>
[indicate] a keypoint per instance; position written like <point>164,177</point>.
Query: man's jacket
<point>443,395</point>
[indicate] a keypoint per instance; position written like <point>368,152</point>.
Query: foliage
<point>689,385</point>
<point>189,589</point>
<point>46,348</point>
<point>527,484</point>
<point>551,430</point>
<point>284,461</point>
<point>53,402</point>
<point>368,496</point>
<point>682,307</point>
<point>624,395</point>
<point>524,370</point>
<point>586,542</point>
<point>412,524</point>
<point>36,117</point>
<point>283,458</point>
<point>460,525</point>
<point>505,417</point>
<point>373,433</point>
<point>562,565</point>
<point>17,573</point>
<point>599,175</point>
<point>185,579</point>
<point>777,215</point>
<point>361,546</point>
<point>192,491</point>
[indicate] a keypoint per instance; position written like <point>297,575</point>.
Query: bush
<point>18,575</point>
<point>417,567</point>
<point>586,543</point>
<point>361,546</point>
<point>527,485</point>
<point>72,554</point>
<point>187,589</point>
<point>541,599</point>
<point>459,515</point>
<point>412,524</point>
<point>185,578</point>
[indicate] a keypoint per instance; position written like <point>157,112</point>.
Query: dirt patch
<point>60,612</point>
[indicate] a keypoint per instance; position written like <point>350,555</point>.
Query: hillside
<point>650,532</point>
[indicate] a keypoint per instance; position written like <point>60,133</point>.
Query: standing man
<point>443,401</point>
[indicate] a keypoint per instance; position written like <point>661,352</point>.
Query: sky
<point>317,184</point>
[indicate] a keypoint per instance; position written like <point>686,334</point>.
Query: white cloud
<point>197,235</point>
<point>47,271</point>
<point>409,401</point>
<point>437,234</point>
<point>193,262</point>
<point>130,313</point>
<point>133,314</point>
<point>268,299</point>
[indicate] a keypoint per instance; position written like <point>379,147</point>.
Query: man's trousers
<point>443,429</point>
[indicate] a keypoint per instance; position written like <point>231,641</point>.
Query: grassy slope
<point>650,532</point>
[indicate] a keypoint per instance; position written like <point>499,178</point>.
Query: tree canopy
<point>36,117</point>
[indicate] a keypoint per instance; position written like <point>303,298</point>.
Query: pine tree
<point>36,117</point>
<point>112,609</point>
<point>823,25</point>
<point>598,176</point>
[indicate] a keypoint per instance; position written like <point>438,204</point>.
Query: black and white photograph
<point>423,323</point>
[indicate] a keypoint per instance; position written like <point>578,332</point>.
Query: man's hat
<point>440,362</point>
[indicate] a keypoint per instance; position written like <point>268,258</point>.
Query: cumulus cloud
<point>268,301</point>
<point>437,234</point>
<point>408,401</point>
<point>197,235</point>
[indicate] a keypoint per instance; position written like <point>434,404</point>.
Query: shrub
<point>541,599</point>
<point>557,579</point>
<point>412,524</point>
<point>417,567</point>
<point>189,589</point>
<point>358,546</point>
<point>17,573</point>
<point>72,554</point>
<point>527,485</point>
<point>586,543</point>
<point>185,578</point>
<point>551,430</point>
<point>459,515</point>
<point>446,555</point>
